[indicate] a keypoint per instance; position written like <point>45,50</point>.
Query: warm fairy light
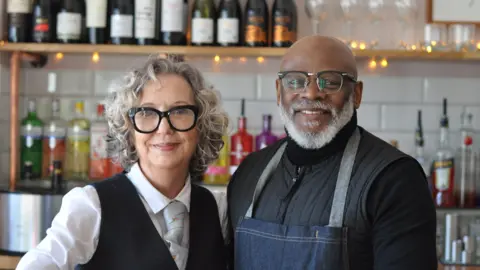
<point>243,59</point>
<point>59,56</point>
<point>414,48</point>
<point>354,44</point>
<point>228,59</point>
<point>95,57</point>
<point>478,46</point>
<point>362,46</point>
<point>216,58</point>
<point>2,43</point>
<point>384,62</point>
<point>372,64</point>
<point>429,49</point>
<point>260,59</point>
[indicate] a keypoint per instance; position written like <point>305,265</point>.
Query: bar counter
<point>9,263</point>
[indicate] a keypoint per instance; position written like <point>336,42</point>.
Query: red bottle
<point>241,142</point>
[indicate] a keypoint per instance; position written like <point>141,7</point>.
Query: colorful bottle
<point>241,143</point>
<point>78,146</point>
<point>99,168</point>
<point>443,166</point>
<point>54,135</point>
<point>465,167</point>
<point>31,143</point>
<point>265,138</point>
<point>218,173</point>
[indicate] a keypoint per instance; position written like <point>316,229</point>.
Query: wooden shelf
<point>221,51</point>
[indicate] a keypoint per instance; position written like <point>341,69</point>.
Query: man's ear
<point>358,94</point>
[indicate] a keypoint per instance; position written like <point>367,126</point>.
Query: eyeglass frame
<point>163,114</point>
<point>282,74</point>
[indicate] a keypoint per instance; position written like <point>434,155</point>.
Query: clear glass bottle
<point>31,142</point>
<point>54,136</point>
<point>78,146</point>
<point>466,165</point>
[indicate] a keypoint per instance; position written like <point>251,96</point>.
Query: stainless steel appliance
<point>27,213</point>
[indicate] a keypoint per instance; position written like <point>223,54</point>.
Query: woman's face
<point>165,148</point>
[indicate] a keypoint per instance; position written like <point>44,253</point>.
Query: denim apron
<point>263,245</point>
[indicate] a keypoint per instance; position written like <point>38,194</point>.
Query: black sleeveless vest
<point>129,240</point>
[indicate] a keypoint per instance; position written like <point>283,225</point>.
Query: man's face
<point>314,114</point>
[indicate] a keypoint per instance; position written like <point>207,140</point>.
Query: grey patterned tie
<point>174,215</point>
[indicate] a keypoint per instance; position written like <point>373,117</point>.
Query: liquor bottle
<point>31,142</point>
<point>43,30</point>
<point>99,168</point>
<point>419,153</point>
<point>229,23</point>
<point>241,142</point>
<point>57,178</point>
<point>218,173</point>
<point>78,146</point>
<point>70,21</point>
<point>256,23</point>
<point>19,20</point>
<point>147,21</point>
<point>121,22</point>
<point>174,16</point>
<point>443,170</point>
<point>54,135</point>
<point>465,167</point>
<point>97,21</point>
<point>284,23</point>
<point>203,23</point>
<point>265,138</point>
<point>3,21</point>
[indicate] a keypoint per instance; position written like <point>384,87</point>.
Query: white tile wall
<point>391,95</point>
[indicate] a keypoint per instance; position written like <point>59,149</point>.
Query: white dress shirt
<point>73,237</point>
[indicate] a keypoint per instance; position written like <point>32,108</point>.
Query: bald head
<point>316,53</point>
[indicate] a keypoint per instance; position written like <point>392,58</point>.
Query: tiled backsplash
<point>389,107</point>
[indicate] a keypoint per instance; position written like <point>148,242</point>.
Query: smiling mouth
<point>313,112</point>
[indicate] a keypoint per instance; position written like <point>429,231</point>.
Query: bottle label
<point>202,30</point>
<point>145,18</point>
<point>41,25</point>
<point>443,173</point>
<point>216,170</point>
<point>96,13</point>
<point>282,31</point>
<point>227,29</point>
<point>173,16</point>
<point>98,143</point>
<point>19,6</point>
<point>69,25</point>
<point>121,26</point>
<point>32,131</point>
<point>255,30</point>
<point>76,134</point>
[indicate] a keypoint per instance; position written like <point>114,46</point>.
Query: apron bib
<point>264,245</point>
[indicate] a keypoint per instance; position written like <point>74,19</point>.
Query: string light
<point>260,59</point>
<point>243,59</point>
<point>216,58</point>
<point>2,43</point>
<point>384,63</point>
<point>429,49</point>
<point>228,59</point>
<point>363,46</point>
<point>95,57</point>
<point>414,47</point>
<point>353,44</point>
<point>59,56</point>
<point>372,64</point>
<point>478,46</point>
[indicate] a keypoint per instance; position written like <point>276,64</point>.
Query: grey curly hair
<point>212,121</point>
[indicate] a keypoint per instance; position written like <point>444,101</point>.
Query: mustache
<point>306,104</point>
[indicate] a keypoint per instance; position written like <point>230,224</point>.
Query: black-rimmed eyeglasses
<point>147,120</point>
<point>329,81</point>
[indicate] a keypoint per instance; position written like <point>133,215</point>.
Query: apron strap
<point>343,181</point>
<point>272,164</point>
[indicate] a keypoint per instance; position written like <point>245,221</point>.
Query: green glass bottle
<point>31,142</point>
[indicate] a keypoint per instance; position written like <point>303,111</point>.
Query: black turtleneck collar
<point>305,157</point>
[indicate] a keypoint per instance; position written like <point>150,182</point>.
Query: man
<point>331,195</point>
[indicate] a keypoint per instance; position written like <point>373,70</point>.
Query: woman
<point>166,126</point>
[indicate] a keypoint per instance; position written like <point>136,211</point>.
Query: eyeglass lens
<point>327,81</point>
<point>180,119</point>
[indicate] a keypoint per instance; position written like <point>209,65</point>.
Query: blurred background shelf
<point>222,51</point>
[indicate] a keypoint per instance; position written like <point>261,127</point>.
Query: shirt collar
<point>154,198</point>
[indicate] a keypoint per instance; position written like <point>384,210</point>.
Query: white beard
<point>316,140</point>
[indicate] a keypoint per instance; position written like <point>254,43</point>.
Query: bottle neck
<point>444,137</point>
<point>242,124</point>
<point>419,151</point>
<point>267,125</point>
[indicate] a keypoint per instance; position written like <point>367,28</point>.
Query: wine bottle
<point>70,21</point>
<point>284,23</point>
<point>3,20</point>
<point>97,21</point>
<point>203,23</point>
<point>43,30</point>
<point>147,21</point>
<point>19,20</point>
<point>174,22</point>
<point>256,23</point>
<point>121,22</point>
<point>229,23</point>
